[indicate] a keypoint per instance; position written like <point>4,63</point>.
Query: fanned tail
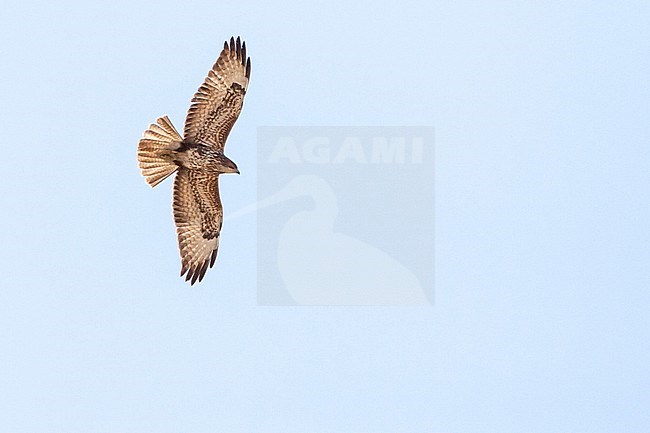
<point>155,151</point>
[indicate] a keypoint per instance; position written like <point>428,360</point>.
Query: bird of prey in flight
<point>198,158</point>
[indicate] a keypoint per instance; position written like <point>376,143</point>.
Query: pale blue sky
<point>540,322</point>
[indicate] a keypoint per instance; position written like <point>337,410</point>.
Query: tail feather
<point>154,151</point>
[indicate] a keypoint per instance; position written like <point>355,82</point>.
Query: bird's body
<point>202,157</point>
<point>198,158</point>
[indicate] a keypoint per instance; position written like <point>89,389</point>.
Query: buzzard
<point>198,158</point>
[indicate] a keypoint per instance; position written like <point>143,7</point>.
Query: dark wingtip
<point>232,44</point>
<point>225,45</point>
<point>243,53</point>
<point>203,269</point>
<point>248,68</point>
<point>213,258</point>
<point>194,277</point>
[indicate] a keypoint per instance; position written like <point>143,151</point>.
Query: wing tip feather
<point>213,257</point>
<point>236,48</point>
<point>204,268</point>
<point>195,272</point>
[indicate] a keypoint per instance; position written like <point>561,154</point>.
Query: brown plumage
<point>198,158</point>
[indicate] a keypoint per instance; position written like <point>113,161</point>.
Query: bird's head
<point>226,165</point>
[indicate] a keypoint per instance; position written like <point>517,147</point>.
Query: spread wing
<point>218,102</point>
<point>198,215</point>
